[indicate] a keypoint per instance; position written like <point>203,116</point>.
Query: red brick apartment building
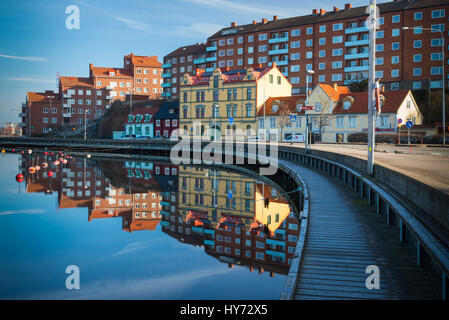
<point>178,62</point>
<point>335,45</point>
<point>41,113</point>
<point>89,97</point>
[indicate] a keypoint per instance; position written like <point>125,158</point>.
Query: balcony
<point>209,242</point>
<point>357,43</point>
<point>166,85</point>
<point>109,88</point>
<point>352,56</point>
<point>199,61</point>
<point>66,95</point>
<point>212,48</point>
<point>166,75</point>
<point>211,59</point>
<point>66,105</point>
<point>356,30</point>
<point>166,65</point>
<point>66,115</point>
<point>165,223</point>
<point>108,97</point>
<point>278,40</point>
<point>279,63</point>
<point>278,51</point>
<point>210,69</point>
<point>357,68</point>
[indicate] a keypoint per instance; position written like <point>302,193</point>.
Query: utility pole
<point>308,72</point>
<point>372,23</point>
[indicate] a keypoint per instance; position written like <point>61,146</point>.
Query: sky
<point>35,44</point>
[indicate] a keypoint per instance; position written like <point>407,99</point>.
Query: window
<point>436,70</point>
<point>337,27</point>
<point>417,44</point>
<point>352,122</point>
<point>337,52</point>
<point>417,72</point>
<point>250,38</point>
<point>394,73</point>
<point>379,61</point>
<point>395,46</point>
<point>322,29</point>
<point>322,66</point>
<point>340,122</point>
<point>337,77</point>
<point>222,42</point>
<point>230,41</point>
<point>437,27</point>
<point>436,42</point>
<point>295,56</point>
<point>262,37</point>
<point>418,16</point>
<point>322,53</point>
<point>262,59</point>
<point>230,52</point>
<point>263,48</point>
<point>395,59</point>
<point>417,30</point>
<point>309,42</point>
<point>417,85</point>
<point>379,74</point>
<point>294,68</point>
<point>395,32</point>
<point>396,18</point>
<point>380,48</point>
<point>240,40</point>
<point>346,105</point>
<point>337,64</point>
<point>436,56</point>
<point>295,32</point>
<point>309,30</point>
<point>295,44</point>
<point>380,34</point>
<point>309,55</point>
<point>337,39</point>
<point>437,13</point>
<point>250,49</point>
<point>322,41</point>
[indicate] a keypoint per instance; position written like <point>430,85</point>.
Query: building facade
<point>166,119</point>
<point>335,45</point>
<point>41,113</point>
<point>182,60</point>
<point>219,103</point>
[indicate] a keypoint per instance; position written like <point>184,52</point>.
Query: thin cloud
<point>32,80</point>
<point>29,58</point>
<point>23,211</point>
<point>196,29</point>
<point>240,7</point>
<point>134,24</point>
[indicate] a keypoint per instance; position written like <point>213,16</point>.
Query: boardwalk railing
<point>431,252</point>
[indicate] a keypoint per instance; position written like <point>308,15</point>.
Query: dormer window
<point>274,108</point>
<point>111,73</point>
<point>171,111</point>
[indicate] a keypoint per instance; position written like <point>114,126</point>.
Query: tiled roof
<point>391,103</point>
<point>164,110</point>
<point>144,61</point>
<point>311,19</point>
<point>104,72</point>
<point>188,50</point>
<point>42,97</point>
<point>334,92</point>
<point>291,103</point>
<point>76,81</point>
<point>415,4</point>
<point>143,112</point>
<point>229,76</point>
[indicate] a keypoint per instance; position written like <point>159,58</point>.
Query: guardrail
<point>431,252</point>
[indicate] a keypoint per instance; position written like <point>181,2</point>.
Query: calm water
<point>139,230</point>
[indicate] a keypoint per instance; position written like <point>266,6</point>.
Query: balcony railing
<point>356,30</point>
<point>279,63</point>
<point>166,65</point>
<point>66,105</point>
<point>211,48</point>
<point>166,75</point>
<point>351,56</point>
<point>108,97</point>
<point>66,95</point>
<point>199,61</point>
<point>278,40</point>
<point>210,69</point>
<point>109,88</point>
<point>66,115</point>
<point>166,85</point>
<point>278,51</point>
<point>357,43</point>
<point>356,68</point>
<point>211,59</point>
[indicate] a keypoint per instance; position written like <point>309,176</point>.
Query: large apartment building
<point>335,45</point>
<point>178,62</point>
<point>87,98</point>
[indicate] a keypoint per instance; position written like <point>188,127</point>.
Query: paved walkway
<point>429,165</point>
<point>345,235</point>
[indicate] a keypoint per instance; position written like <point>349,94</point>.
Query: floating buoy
<point>3,151</point>
<point>88,156</point>
<point>60,159</point>
<point>31,170</point>
<point>19,178</point>
<point>56,163</point>
<point>30,151</point>
<point>37,168</point>
<point>22,152</point>
<point>50,173</point>
<point>51,153</point>
<point>64,161</point>
<point>45,165</point>
<point>13,150</point>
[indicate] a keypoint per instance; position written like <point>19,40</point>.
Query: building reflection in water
<point>224,212</point>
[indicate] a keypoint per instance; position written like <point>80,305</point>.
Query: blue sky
<point>35,44</point>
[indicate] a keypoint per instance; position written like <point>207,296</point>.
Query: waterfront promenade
<point>345,235</point>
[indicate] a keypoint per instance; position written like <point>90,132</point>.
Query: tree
<point>359,86</point>
<point>284,116</point>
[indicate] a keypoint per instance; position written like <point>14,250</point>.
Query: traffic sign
<point>231,120</point>
<point>230,195</point>
<point>306,108</point>
<point>293,118</point>
<point>409,124</point>
<point>399,121</point>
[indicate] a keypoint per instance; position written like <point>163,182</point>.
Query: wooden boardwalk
<point>345,235</point>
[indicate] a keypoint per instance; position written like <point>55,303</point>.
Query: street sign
<point>399,121</point>
<point>293,118</point>
<point>231,120</point>
<point>306,108</point>
<point>409,124</point>
<point>230,195</point>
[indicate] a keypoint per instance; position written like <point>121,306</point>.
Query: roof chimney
<point>348,6</point>
<point>254,21</point>
<point>335,87</point>
<point>274,64</point>
<point>275,18</point>
<point>315,11</point>
<point>233,24</point>
<point>336,9</point>
<point>264,20</point>
<point>322,12</point>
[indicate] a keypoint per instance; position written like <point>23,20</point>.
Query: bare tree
<point>284,116</point>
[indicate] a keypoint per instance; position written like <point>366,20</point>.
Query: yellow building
<point>225,103</point>
<point>206,191</point>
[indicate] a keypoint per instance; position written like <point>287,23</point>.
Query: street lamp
<point>443,97</point>
<point>85,125</point>
<point>308,72</point>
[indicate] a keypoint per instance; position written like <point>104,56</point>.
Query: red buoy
<point>19,178</point>
<point>50,173</point>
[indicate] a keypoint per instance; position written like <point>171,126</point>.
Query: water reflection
<point>224,212</point>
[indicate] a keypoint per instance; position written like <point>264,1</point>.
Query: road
<point>429,165</point>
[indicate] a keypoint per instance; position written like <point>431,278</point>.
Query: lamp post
<point>443,96</point>
<point>308,72</point>
<point>85,125</point>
